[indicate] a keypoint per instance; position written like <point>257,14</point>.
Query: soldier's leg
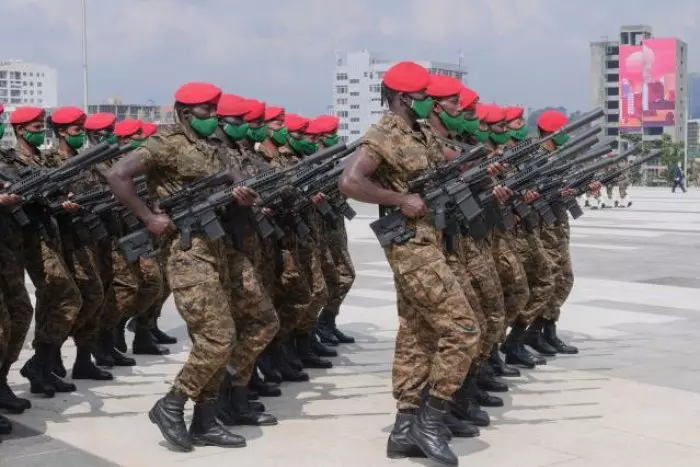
<point>5,326</point>
<point>150,290</point>
<point>58,302</point>
<point>126,288</point>
<point>152,315</point>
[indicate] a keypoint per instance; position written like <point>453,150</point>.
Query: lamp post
<point>85,62</point>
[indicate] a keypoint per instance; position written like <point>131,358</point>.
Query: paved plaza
<point>630,399</point>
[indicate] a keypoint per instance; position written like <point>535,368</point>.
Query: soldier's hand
<point>568,192</point>
<point>267,212</point>
<point>502,194</point>
<point>160,224</point>
<point>412,205</point>
<point>495,169</point>
<point>71,207</point>
<point>9,199</point>
<point>318,198</point>
<point>530,196</point>
<point>244,195</point>
<point>595,187</point>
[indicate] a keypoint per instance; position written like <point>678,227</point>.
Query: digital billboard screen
<point>648,84</point>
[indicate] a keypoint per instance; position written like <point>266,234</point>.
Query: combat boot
<point>308,358</point>
<point>320,349</point>
<point>5,426</point>
<point>500,367</point>
<point>550,335</point>
<point>58,368</point>
<point>206,430</point>
<point>482,397</point>
<point>263,388</point>
<point>117,358</point>
<point>535,339</point>
<point>282,363</point>
<point>103,351</point>
<point>428,432</point>
<point>329,317</point>
<point>267,363</point>
<point>38,371</point>
<point>169,416</point>
<point>514,348</point>
<point>487,381</point>
<point>238,411</point>
<point>460,428</point>
<point>324,328</point>
<point>398,446</point>
<point>144,344</point>
<point>160,337</point>
<point>84,368</point>
<point>291,354</point>
<point>119,337</point>
<point>8,400</point>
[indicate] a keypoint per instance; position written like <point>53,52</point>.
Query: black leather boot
<point>160,337</point>
<point>341,336</point>
<point>550,335</point>
<point>119,337</point>
<point>58,367</point>
<point>514,348</point>
<point>487,381</point>
<point>206,430</point>
<point>534,337</point>
<point>428,432</point>
<point>169,416</point>
<point>320,349</point>
<point>267,363</point>
<point>103,350</point>
<point>122,360</point>
<point>144,344</point>
<point>324,328</point>
<point>289,350</point>
<point>84,368</point>
<point>483,398</point>
<point>308,358</point>
<point>5,426</point>
<point>499,365</point>
<point>8,400</point>
<point>38,371</point>
<point>263,388</point>
<point>239,412</point>
<point>398,446</point>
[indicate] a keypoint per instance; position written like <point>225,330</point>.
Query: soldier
<point>438,333</point>
<point>58,299</point>
<point>196,275</point>
<point>338,270</point>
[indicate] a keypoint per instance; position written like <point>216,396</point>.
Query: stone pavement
<point>631,398</point>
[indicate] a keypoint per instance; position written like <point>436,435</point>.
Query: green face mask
<point>519,134</point>
<point>204,126</point>
<point>453,124</point>
<point>109,138</point>
<point>279,137</point>
<point>470,125</point>
<point>135,143</point>
<point>561,140</point>
<point>303,147</point>
<point>35,139</point>
<point>2,130</point>
<point>329,141</point>
<point>481,136</point>
<point>499,138</point>
<point>422,108</point>
<point>76,141</point>
<point>236,132</point>
<point>259,134</point>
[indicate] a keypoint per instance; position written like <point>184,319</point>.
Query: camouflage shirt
<point>401,154</point>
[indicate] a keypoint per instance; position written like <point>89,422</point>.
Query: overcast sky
<point>531,52</point>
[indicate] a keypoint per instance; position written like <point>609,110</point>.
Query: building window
<point>375,88</point>
<point>612,105</point>
<point>3,74</point>
<point>355,81</point>
<point>612,64</point>
<point>341,89</point>
<point>342,113</point>
<point>380,74</point>
<point>343,126</point>
<point>3,84</point>
<point>625,38</point>
<point>613,77</point>
<point>341,77</point>
<point>16,75</point>
<point>354,93</point>
<point>341,101</point>
<point>355,132</point>
<point>354,120</point>
<point>612,91</point>
<point>654,131</point>
<point>612,118</point>
<point>354,107</point>
<point>39,84</point>
<point>612,131</point>
<point>613,50</point>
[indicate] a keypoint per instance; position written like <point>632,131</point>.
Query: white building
<point>693,140</point>
<point>357,85</point>
<point>24,83</point>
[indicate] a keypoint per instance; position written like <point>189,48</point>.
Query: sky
<point>526,52</point>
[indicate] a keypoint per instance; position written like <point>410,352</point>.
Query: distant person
<point>678,178</point>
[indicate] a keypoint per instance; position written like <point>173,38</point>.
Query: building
<point>694,95</point>
<point>357,85</point>
<point>693,138</point>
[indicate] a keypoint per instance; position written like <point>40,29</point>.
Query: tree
<point>671,152</point>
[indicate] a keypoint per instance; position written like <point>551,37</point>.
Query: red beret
<point>295,122</point>
<point>273,113</point>
<point>467,97</point>
<point>256,109</point>
<point>323,124</point>
<point>231,105</point>
<point>495,114</point>
<point>149,129</point>
<point>66,115</point>
<point>97,122</point>
<point>406,77</point>
<point>2,108</point>
<point>514,112</point>
<point>443,86</point>
<point>482,110</point>
<point>128,127</point>
<point>26,114</point>
<point>197,93</point>
<point>551,120</point>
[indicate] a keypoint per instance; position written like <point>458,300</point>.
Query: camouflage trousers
<point>197,278</point>
<point>82,265</point>
<point>16,309</point>
<point>310,258</point>
<point>252,311</point>
<point>105,266</point>
<point>555,239</point>
<point>438,334</point>
<point>137,285</point>
<point>338,270</point>
<point>516,290</point>
<point>150,317</point>
<point>292,297</point>
<point>540,278</point>
<point>58,299</point>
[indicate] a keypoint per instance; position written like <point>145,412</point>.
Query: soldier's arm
<point>120,179</point>
<point>357,184</point>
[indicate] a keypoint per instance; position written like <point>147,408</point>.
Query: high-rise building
<point>357,85</point>
<point>694,95</point>
<point>693,138</point>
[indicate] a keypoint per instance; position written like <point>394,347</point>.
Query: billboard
<point>648,84</point>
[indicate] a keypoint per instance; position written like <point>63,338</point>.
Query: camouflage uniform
<point>516,290</point>
<point>556,242</point>
<point>336,263</point>
<point>310,258</point>
<point>538,269</point>
<point>137,285</point>
<point>196,276</point>
<point>438,331</point>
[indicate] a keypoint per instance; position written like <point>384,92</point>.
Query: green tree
<point>671,152</point>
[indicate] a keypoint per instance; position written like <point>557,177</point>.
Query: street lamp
<point>85,64</point>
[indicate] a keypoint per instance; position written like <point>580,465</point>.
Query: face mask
<point>519,134</point>
<point>422,108</point>
<point>453,124</point>
<point>259,134</point>
<point>481,136</point>
<point>499,138</point>
<point>35,139</point>
<point>76,141</point>
<point>303,147</point>
<point>329,141</point>
<point>2,130</point>
<point>204,126</point>
<point>561,139</point>
<point>109,138</point>
<point>236,132</point>
<point>279,137</point>
<point>137,142</point>
<point>470,125</point>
